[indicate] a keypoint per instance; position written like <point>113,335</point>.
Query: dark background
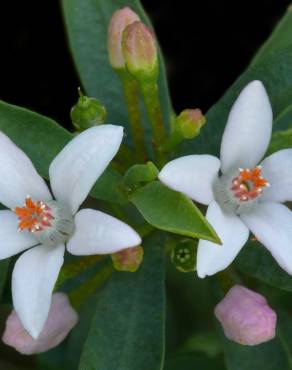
<point>206,44</point>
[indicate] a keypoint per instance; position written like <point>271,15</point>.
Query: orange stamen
<point>249,184</point>
<point>33,216</point>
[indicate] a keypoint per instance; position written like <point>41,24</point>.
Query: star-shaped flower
<point>240,195</point>
<point>46,224</point>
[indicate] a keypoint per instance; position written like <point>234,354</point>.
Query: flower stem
<point>131,96</point>
<point>150,94</point>
<point>172,141</point>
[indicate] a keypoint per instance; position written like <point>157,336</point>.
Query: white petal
<point>13,241</point>
<point>18,177</point>
<point>33,280</point>
<point>77,167</point>
<point>99,233</point>
<point>277,169</point>
<point>211,257</point>
<point>192,175</point>
<point>271,223</point>
<point>248,129</point>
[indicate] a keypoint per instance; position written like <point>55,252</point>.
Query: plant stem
<point>131,96</point>
<point>151,99</point>
<point>172,141</point>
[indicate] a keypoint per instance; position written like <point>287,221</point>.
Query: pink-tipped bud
<point>119,21</point>
<point>61,319</point>
<point>129,259</point>
<point>139,50</point>
<point>190,122</point>
<point>246,317</point>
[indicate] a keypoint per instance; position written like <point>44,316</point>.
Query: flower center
<point>239,191</point>
<point>249,184</point>
<point>34,216</point>
<point>50,222</point>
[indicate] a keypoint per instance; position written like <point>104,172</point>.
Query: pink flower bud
<point>246,317</point>
<point>128,259</point>
<point>190,122</point>
<point>119,21</point>
<point>139,50</point>
<point>61,319</point>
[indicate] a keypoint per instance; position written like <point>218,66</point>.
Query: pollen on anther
<point>32,215</point>
<point>249,184</point>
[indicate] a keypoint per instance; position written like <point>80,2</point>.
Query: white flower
<point>241,197</point>
<point>46,224</point>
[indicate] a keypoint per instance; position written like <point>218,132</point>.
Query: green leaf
<point>280,140</point>
<point>127,331</point>
<point>41,139</point>
<point>107,187</point>
<point>280,38</point>
<point>4,266</point>
<point>87,23</point>
<point>172,211</point>
<point>284,332</point>
<point>267,356</point>
<point>257,262</point>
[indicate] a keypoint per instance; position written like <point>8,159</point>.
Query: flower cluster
<point>243,192</point>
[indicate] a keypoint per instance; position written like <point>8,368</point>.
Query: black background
<point>206,44</point>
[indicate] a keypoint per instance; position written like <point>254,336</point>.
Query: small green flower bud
<point>128,259</point>
<point>119,21</point>
<point>87,112</point>
<point>189,122</point>
<point>183,255</point>
<point>139,50</point>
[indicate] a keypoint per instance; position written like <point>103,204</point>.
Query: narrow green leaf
<point>280,140</point>
<point>284,119</point>
<point>87,22</point>
<point>267,356</point>
<point>172,211</point>
<point>127,331</point>
<point>284,332</point>
<point>257,262</point>
<point>280,38</point>
<point>41,139</point>
<point>4,266</point>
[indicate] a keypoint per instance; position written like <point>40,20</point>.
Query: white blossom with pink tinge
<point>246,317</point>
<point>61,319</point>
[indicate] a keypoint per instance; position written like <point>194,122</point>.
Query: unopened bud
<point>119,21</point>
<point>183,256</point>
<point>128,259</point>
<point>139,50</point>
<point>189,122</point>
<point>246,317</point>
<point>87,112</point>
<point>61,319</point>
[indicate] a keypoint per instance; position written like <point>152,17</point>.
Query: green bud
<point>87,112</point>
<point>183,255</point>
<point>128,259</point>
<point>190,122</point>
<point>139,50</point>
